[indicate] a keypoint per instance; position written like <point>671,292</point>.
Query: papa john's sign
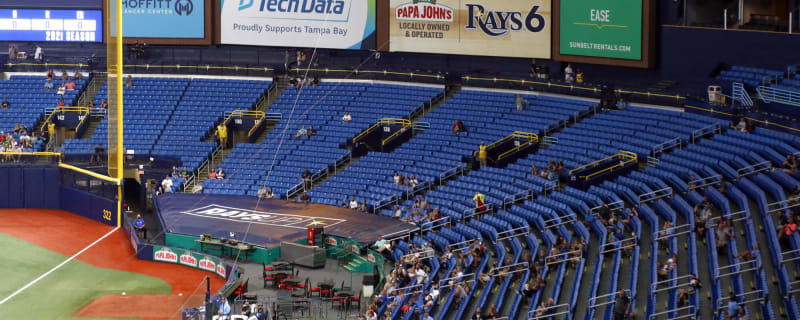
<point>508,28</point>
<point>189,259</point>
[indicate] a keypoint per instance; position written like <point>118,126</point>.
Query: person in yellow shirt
<point>222,133</point>
<point>479,199</point>
<point>51,130</point>
<point>482,154</point>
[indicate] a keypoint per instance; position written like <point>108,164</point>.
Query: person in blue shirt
<point>48,85</point>
<point>621,104</point>
<point>305,198</point>
<point>139,225</point>
<point>225,308</point>
<point>733,308</point>
<point>260,314</point>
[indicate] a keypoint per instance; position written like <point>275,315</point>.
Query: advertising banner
<point>189,259</point>
<point>508,28</point>
<point>335,24</point>
<point>163,19</point>
<point>601,28</point>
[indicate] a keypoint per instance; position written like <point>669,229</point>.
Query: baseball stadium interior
<point>400,159</point>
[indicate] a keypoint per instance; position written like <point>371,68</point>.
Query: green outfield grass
<point>65,291</point>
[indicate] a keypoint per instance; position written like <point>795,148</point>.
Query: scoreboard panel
<point>51,25</point>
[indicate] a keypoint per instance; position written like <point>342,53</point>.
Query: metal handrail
<point>704,182</point>
<point>655,195</point>
<point>760,299</point>
<point>433,223</point>
<point>553,259</point>
<point>675,232</point>
<point>631,243</point>
<point>614,206</point>
<point>782,205</point>
<point>717,274</point>
<point>532,313</point>
<point>562,220</point>
<point>382,203</point>
<point>489,207</point>
<point>528,195</point>
<point>605,303</point>
<point>654,286</point>
<point>715,128</point>
<point>692,313</point>
<point>765,165</point>
<point>406,125</point>
<point>667,145</point>
<point>450,172</point>
<point>783,260</point>
<point>745,214</point>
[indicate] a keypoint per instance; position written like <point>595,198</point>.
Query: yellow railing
<point>389,121</point>
<point>89,173</point>
<point>626,157</point>
<point>247,113</point>
<point>83,110</point>
<point>406,124</point>
<point>526,136</point>
<point>50,154</point>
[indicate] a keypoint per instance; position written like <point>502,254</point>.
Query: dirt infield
<point>66,233</point>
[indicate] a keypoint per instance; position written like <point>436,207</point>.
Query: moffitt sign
<point>420,10</point>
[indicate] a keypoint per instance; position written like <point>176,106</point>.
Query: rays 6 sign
<point>508,28</point>
<point>337,24</point>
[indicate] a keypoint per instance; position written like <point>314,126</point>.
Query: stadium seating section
<point>691,160</point>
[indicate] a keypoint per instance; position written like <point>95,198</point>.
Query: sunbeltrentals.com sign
<point>335,24</point>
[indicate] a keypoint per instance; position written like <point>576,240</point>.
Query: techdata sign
<point>508,28</point>
<point>601,28</point>
<point>163,19</point>
<point>335,24</point>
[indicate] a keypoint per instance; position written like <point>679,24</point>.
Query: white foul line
<point>58,266</point>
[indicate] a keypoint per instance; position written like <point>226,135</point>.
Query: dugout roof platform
<point>268,222</point>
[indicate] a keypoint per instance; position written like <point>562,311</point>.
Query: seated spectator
<point>166,184</point>
<point>98,154</point>
<point>345,204</point>
<point>5,104</point>
<point>311,132</point>
<point>749,255</point>
<point>294,82</point>
<point>569,74</point>
<point>220,173</point>
<point>315,82</point>
<point>212,174</point>
<point>50,75</point>
<point>396,178</point>
<point>61,102</point>
<point>64,76</point>
<point>665,233</point>
<point>305,198</point>
<point>353,203</point>
<point>301,132</point>
<point>458,127</point>
<point>790,165</point>
<point>184,173</point>
<point>139,225</point>
<point>266,194</point>
<point>16,128</point>
<point>785,231</point>
<point>129,81</point>
<point>77,76</point>
<point>48,85</point>
<point>90,105</point>
<point>103,104</point>
<point>69,85</point>
<point>403,180</point>
<point>306,177</point>
<point>363,206</point>
<point>347,117</point>
<point>398,212</point>
<point>413,182</point>
<point>520,102</point>
<point>740,125</point>
<point>621,104</point>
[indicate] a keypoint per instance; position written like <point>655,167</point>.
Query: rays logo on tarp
<point>424,10</point>
<point>500,23</point>
<point>165,255</point>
